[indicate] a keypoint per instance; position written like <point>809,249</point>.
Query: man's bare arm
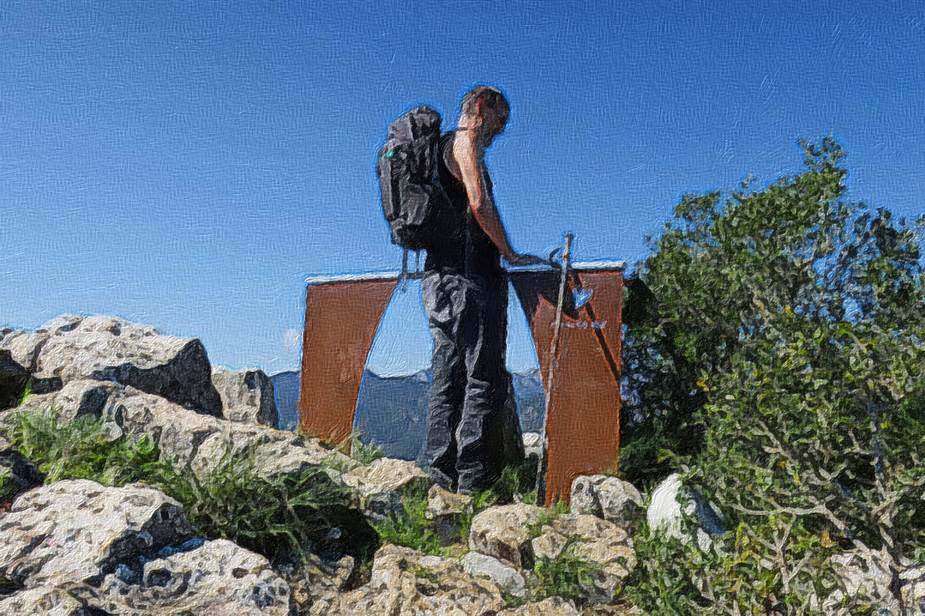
<point>468,156</point>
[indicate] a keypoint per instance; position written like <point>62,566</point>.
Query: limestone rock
<point>23,347</point>
<point>111,349</point>
<point>381,485</point>
<point>867,573</point>
<point>506,577</point>
<point>672,501</point>
<point>503,532</point>
<point>247,396</point>
<point>606,497</point>
<point>13,379</point>
<point>408,583</point>
<point>446,510</point>
<point>74,399</point>
<point>553,606</point>
<point>47,601</point>
<point>217,578</point>
<point>20,473</point>
<point>597,541</point>
<point>78,530</point>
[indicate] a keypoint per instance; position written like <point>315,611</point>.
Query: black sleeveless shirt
<point>484,260</point>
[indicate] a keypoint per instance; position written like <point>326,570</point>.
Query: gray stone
<point>532,445</point>
<point>596,541</point>
<point>408,583</point>
<point>111,349</point>
<point>381,485</point>
<point>672,501</point>
<point>217,578</point>
<point>247,396</point>
<point>504,532</point>
<point>606,497</point>
<point>78,530</point>
<point>506,577</point>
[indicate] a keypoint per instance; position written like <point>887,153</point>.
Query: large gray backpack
<point>413,200</point>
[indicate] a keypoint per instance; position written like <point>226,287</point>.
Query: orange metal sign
<point>342,315</point>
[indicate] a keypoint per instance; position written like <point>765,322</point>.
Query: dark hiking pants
<point>471,385</point>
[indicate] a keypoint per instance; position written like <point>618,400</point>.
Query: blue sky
<point>188,164</point>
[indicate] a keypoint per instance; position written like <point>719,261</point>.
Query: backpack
<point>413,200</point>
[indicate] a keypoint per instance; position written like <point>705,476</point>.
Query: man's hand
<point>525,259</point>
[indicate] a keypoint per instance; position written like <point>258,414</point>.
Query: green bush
<point>270,516</point>
<point>80,449</point>
<point>410,528</point>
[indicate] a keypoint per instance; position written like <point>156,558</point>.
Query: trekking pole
<point>553,361</point>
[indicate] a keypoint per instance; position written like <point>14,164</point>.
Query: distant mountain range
<point>392,411</point>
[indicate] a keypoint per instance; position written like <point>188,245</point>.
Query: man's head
<point>486,109</point>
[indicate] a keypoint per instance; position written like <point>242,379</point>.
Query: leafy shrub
<point>410,528</point>
<point>81,449</point>
<point>271,516</point>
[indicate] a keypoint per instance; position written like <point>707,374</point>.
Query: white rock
<point>217,578</point>
<point>76,530</point>
<point>671,501</point>
<point>247,396</point>
<point>504,532</point>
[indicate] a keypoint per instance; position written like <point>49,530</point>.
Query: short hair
<point>492,97</point>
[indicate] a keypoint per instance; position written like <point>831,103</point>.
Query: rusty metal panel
<point>341,319</point>
<point>583,422</point>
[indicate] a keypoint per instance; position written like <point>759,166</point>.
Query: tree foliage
<point>775,350</point>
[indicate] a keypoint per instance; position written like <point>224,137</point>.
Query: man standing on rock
<point>465,294</point>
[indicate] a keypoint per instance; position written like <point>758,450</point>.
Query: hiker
<point>466,295</point>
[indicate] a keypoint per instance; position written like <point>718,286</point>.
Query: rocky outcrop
<point>104,348</point>
<point>409,583</point>
<point>606,497</point>
<point>247,396</point>
<point>606,546</point>
<point>672,502</point>
<point>504,532</point>
<point>217,578</point>
<point>78,531</point>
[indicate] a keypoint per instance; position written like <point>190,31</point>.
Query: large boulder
<point>78,531</point>
<point>107,348</point>
<point>504,532</point>
<point>603,544</point>
<point>247,396</point>
<point>219,577</point>
<point>672,502</point>
<point>407,583</point>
